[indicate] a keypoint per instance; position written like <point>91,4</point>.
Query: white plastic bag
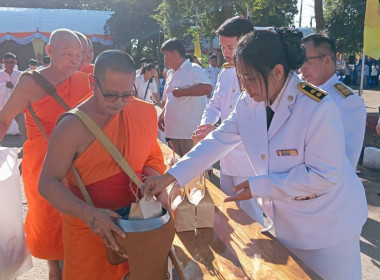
<point>15,258</point>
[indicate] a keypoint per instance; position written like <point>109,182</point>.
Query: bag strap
<point>107,144</point>
<point>50,89</point>
<point>146,90</point>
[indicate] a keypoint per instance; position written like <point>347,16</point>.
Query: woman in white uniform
<point>146,86</point>
<point>310,190</point>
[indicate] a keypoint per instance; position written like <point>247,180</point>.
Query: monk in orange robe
<point>132,127</point>
<point>87,55</point>
<point>43,225</point>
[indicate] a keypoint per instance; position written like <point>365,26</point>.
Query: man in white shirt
<point>213,70</point>
<point>235,166</point>
<point>9,76</point>
<point>319,69</point>
<point>185,92</point>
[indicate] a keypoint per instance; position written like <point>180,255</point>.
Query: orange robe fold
<point>134,132</point>
<point>43,225</point>
<point>87,68</point>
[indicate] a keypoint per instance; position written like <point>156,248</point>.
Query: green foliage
<point>345,21</point>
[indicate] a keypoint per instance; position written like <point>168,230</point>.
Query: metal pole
<point>300,20</point>
<point>362,75</point>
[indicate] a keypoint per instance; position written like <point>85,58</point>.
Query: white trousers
<point>339,262</point>
<point>249,206</point>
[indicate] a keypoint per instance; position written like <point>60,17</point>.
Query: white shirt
<point>353,114</point>
<point>366,70</point>
<point>183,114</point>
<point>222,103</point>
<point>141,87</point>
<point>374,70</point>
<point>4,78</point>
<point>300,154</point>
<point>212,74</point>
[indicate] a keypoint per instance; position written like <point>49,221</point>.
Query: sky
<point>307,13</point>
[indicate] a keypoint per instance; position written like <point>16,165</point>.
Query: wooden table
<point>234,249</point>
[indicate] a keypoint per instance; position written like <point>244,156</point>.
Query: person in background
<point>10,76</point>
<point>212,71</point>
<point>347,74</point>
<point>87,66</point>
<point>292,132</point>
<point>33,64</point>
<point>319,70</point>
<point>45,63</point>
<point>146,86</point>
<point>185,93</point>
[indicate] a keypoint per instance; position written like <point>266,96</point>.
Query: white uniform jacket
<point>301,153</point>
<point>353,113</point>
<point>222,103</point>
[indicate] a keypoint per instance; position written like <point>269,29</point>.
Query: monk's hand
<point>100,221</point>
<point>201,132</point>
<point>378,129</point>
<point>155,185</point>
<point>243,192</point>
<point>161,122</point>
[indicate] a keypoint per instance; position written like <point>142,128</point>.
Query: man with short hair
<point>43,225</point>
<point>131,125</point>
<point>10,76</point>
<point>33,64</point>
<point>45,63</point>
<point>235,167</point>
<point>213,70</point>
<point>319,69</point>
<point>185,92</point>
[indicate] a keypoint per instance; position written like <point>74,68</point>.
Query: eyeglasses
<point>108,97</point>
<point>9,61</point>
<point>315,57</point>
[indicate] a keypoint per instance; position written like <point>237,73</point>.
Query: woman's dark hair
<point>147,67</point>
<point>189,56</point>
<point>264,49</point>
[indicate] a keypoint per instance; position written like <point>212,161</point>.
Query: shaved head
<point>84,43</point>
<point>90,52</point>
<point>114,60</point>
<point>59,36</point>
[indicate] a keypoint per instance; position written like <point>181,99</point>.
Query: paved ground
<point>370,238</point>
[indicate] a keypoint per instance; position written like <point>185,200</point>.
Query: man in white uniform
<point>185,92</point>
<point>319,69</point>
<point>235,166</point>
<point>9,76</point>
<point>213,70</point>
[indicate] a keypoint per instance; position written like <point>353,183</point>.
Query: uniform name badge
<point>286,153</point>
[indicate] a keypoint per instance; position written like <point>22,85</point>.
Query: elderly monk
<point>43,225</point>
<point>87,66</point>
<point>84,43</point>
<point>132,127</point>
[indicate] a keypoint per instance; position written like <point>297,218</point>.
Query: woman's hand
<point>244,192</point>
<point>156,185</point>
<point>100,222</point>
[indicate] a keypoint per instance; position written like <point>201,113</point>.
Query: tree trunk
<point>319,20</point>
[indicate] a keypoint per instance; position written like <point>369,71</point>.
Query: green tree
<point>133,27</point>
<point>345,21</point>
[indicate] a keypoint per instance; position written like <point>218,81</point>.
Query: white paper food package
<point>15,258</point>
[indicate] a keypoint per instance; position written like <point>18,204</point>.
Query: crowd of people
<point>289,141</point>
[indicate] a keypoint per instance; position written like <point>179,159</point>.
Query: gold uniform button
<point>262,156</point>
<point>290,98</point>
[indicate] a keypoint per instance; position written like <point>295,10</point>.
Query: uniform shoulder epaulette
<point>226,65</point>
<point>312,91</point>
<point>343,90</point>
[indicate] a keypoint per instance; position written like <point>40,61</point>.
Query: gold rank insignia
<point>287,153</point>
<point>312,91</point>
<point>343,90</point>
<point>226,65</point>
